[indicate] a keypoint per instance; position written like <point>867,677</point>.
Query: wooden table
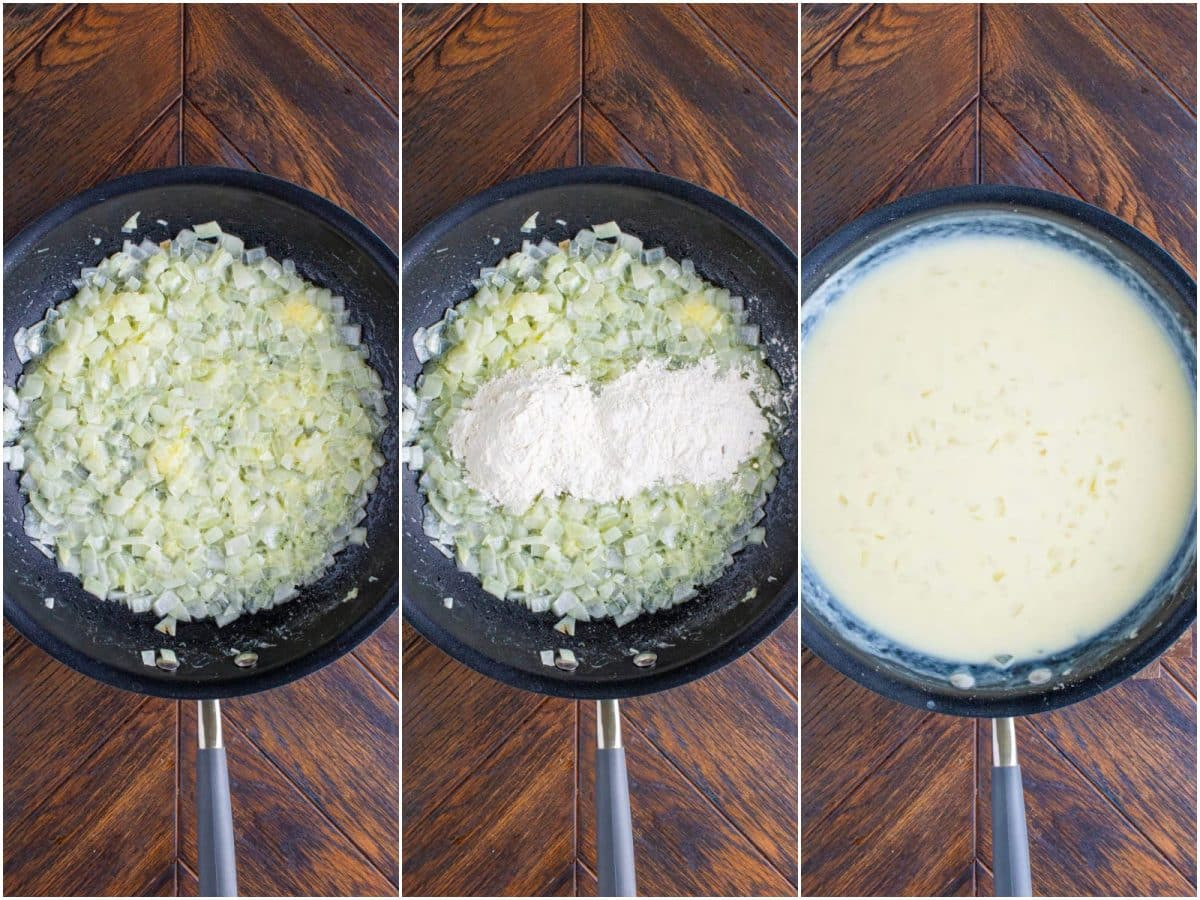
<point>497,783</point>
<point>98,783</point>
<point>1094,102</point>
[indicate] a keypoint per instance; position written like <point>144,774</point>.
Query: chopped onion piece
<point>130,224</point>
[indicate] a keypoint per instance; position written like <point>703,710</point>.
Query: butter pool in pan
<point>998,444</point>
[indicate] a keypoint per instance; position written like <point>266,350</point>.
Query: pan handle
<point>214,810</point>
<point>1010,839</point>
<point>616,873</point>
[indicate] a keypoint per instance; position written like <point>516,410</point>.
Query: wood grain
<point>25,24</point>
<point>425,24</point>
<point>1079,844</point>
<point>524,841</point>
<point>604,145</point>
<point>822,25</point>
<point>157,147</point>
<point>1162,36</point>
<point>714,126</point>
<point>204,145</point>
<point>349,726</point>
<point>779,655</point>
<point>1057,77</point>
<point>378,654</point>
<point>69,86</point>
<point>763,36</point>
<point>286,846</point>
<point>841,752</point>
<point>455,709</point>
<point>311,124</point>
<point>478,82</point>
<point>682,848</point>
<point>749,772</point>
<point>89,831</point>
<point>364,36</point>
<point>924,803</point>
<point>950,160</point>
<point>916,58</point>
<point>555,148</point>
<point>1114,734</point>
<point>1007,158</point>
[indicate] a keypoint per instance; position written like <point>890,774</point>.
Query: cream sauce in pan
<point>998,448</point>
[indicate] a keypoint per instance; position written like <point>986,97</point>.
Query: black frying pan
<point>330,248</point>
<point>1096,664</point>
<point>730,248</point>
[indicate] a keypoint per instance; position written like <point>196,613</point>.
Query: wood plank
<point>1079,845</point>
<point>822,25</point>
<point>342,752</point>
<point>52,713</point>
<point>839,751</point>
<point>425,24</point>
<point>454,719</point>
<point>1136,743</point>
<point>763,35</point>
<point>714,125</point>
<point>109,828</point>
<point>157,148</point>
<point>378,654</point>
<point>365,36</point>
<point>286,846</point>
<point>749,773</point>
<point>204,145</point>
<point>507,832</point>
<point>916,58</point>
<point>479,82</point>
<point>949,161</point>
<point>603,145</point>
<point>1007,158</point>
<point>1162,35</point>
<point>1098,117</point>
<point>684,847</point>
<point>780,655</point>
<point>96,60</point>
<point>25,25</point>
<point>316,124</point>
<point>910,821</point>
<point>555,148</point>
<point>1181,661</point>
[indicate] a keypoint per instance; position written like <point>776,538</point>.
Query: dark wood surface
<point>1093,101</point>
<point>497,795</point>
<point>98,784</point>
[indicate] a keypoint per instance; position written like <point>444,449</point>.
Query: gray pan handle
<point>1010,839</point>
<point>214,810</point>
<point>616,874</point>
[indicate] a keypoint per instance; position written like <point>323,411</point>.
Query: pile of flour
<point>538,431</point>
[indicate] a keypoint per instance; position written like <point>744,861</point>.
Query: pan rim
<point>815,634</point>
<point>751,228</point>
<point>359,234</point>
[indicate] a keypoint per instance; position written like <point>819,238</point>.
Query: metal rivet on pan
<point>167,665</point>
<point>645,659</point>
<point>567,665</point>
<point>245,660</point>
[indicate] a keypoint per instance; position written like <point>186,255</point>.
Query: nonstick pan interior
<point>729,248</point>
<point>1168,608</point>
<point>331,249</point>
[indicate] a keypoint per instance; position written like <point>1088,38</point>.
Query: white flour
<point>545,431</point>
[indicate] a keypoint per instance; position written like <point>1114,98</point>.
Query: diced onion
<point>197,429</point>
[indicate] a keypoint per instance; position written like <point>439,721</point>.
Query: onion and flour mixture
<point>545,431</point>
<point>593,429</point>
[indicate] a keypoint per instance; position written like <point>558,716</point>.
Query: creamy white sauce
<point>998,448</point>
